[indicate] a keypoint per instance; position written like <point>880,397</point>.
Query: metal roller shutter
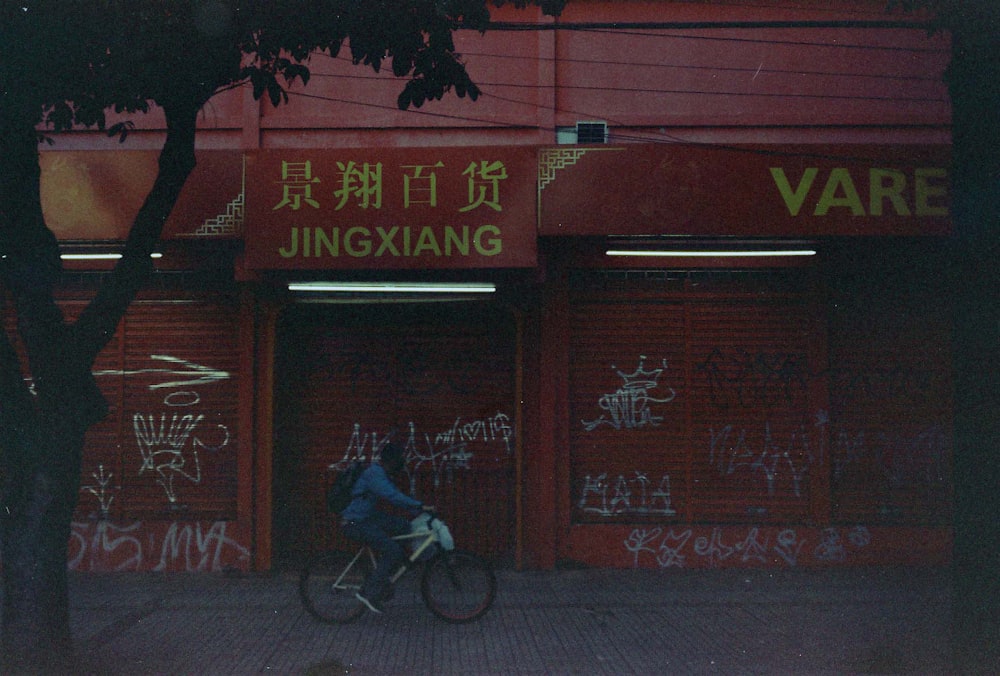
<point>168,446</point>
<point>438,380</point>
<point>179,409</point>
<point>629,432</point>
<point>755,442</point>
<point>690,396</point>
<point>891,402</point>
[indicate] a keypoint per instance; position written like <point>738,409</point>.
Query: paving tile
<point>839,621</point>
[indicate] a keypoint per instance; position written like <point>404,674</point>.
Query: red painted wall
<point>707,546</point>
<point>752,85</point>
<point>823,86</point>
<point>668,80</point>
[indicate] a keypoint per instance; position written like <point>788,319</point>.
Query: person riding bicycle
<point>364,522</point>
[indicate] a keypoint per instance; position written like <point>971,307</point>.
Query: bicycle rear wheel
<point>458,586</point>
<point>328,584</point>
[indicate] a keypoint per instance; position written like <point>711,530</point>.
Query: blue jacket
<point>372,485</point>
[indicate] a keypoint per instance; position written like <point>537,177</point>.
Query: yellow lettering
<point>492,245</point>
<point>332,246</point>
<point>361,242</point>
<point>794,198</point>
<point>926,191</point>
<point>840,178</point>
<point>427,241</point>
<point>886,184</point>
<point>362,246</point>
<point>387,238</point>
<point>452,238</point>
<point>294,246</point>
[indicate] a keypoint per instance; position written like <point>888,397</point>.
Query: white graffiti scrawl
<point>162,445</point>
<point>716,546</point>
<point>134,545</point>
<point>628,407</point>
<point>101,489</point>
<point>168,444</point>
<point>444,451</point>
<point>186,373</point>
<point>633,495</point>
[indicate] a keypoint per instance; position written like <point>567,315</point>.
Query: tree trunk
<point>40,437</point>
<point>36,635</point>
<point>42,432</point>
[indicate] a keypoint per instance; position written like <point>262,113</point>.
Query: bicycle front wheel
<point>328,584</point>
<point>458,586</point>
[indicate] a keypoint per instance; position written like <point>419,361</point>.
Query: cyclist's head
<point>392,457</point>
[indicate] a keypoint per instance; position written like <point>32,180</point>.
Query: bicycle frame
<point>429,539</point>
<point>456,586</point>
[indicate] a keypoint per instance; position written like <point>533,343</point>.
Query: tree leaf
<point>276,93</point>
<point>121,130</point>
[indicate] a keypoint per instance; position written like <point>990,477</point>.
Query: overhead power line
<point>633,28</point>
<point>696,67</point>
<point>771,41</point>
<point>756,70</point>
<point>663,91</point>
<point>702,25</point>
<point>692,29</point>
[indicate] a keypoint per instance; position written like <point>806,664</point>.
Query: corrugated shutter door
<point>168,446</point>
<point>437,380</point>
<point>890,393</point>
<point>179,406</point>
<point>332,374</point>
<point>691,400</point>
<point>628,426</point>
<point>458,406</point>
<point>754,442</point>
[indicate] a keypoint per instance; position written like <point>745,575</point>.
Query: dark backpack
<point>338,495</point>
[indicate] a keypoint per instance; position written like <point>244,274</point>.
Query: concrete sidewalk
<point>544,622</point>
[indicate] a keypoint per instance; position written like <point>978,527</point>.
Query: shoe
<point>371,605</point>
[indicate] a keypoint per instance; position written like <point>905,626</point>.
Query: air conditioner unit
<point>591,132</point>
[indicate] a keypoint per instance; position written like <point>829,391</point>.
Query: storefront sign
<point>426,208</point>
<point>96,194</point>
<point>714,190</point>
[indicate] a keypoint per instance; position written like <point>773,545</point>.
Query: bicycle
<point>457,586</point>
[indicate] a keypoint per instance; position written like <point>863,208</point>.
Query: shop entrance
<point>438,379</point>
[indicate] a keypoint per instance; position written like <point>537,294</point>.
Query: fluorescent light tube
<point>98,256</point>
<point>393,287</point>
<point>700,253</point>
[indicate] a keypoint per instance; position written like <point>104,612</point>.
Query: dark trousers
<point>376,531</point>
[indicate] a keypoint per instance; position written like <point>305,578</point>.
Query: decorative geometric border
<point>231,222</point>
<point>551,160</point>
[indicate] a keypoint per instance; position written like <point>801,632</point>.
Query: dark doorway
<point>437,378</point>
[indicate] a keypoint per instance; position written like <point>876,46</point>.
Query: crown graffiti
<point>641,378</point>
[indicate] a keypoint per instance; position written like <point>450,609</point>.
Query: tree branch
<point>98,322</point>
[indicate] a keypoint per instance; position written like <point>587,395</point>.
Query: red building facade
<point>691,316</point>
